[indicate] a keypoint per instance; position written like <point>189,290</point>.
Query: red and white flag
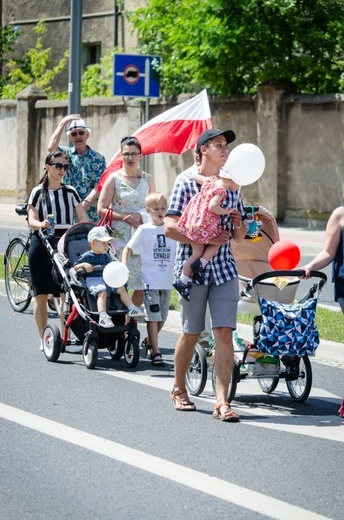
<point>173,131</point>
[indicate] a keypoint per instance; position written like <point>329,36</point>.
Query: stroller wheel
<point>268,384</point>
<point>90,353</point>
<point>117,350</point>
<point>132,352</point>
<point>300,388</point>
<point>51,342</point>
<point>196,376</point>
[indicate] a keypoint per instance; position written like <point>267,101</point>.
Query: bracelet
<point>238,227</point>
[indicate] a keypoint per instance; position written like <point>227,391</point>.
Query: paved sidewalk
<point>311,240</point>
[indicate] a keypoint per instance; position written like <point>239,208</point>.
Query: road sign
<point>136,76</point>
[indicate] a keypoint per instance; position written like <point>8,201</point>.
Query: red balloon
<point>284,254</point>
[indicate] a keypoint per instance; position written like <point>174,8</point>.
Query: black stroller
<point>80,315</point>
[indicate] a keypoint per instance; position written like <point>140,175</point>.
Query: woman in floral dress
<point>126,190</point>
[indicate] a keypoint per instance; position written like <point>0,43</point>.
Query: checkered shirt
<point>222,267</point>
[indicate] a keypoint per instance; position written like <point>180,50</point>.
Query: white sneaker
<point>106,322</point>
<point>135,312</point>
<point>41,345</point>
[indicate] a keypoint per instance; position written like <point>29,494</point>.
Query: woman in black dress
<point>63,201</point>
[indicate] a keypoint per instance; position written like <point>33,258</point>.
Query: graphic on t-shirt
<point>161,251</point>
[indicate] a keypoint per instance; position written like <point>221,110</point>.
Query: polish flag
<point>173,131</point>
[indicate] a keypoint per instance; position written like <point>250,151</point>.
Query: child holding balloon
<point>200,222</point>
<point>99,240</point>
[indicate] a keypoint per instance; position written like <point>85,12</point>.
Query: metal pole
<point>75,57</point>
<point>146,157</point>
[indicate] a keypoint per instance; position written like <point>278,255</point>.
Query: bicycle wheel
<point>196,376</point>
<point>268,384</point>
<point>17,275</point>
<point>300,388</point>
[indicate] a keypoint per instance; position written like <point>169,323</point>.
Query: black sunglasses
<point>60,166</point>
<point>80,132</point>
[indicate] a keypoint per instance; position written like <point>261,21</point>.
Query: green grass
<point>330,323</point>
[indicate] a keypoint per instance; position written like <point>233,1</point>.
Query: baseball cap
<point>211,133</point>
<point>77,124</point>
<point>99,233</point>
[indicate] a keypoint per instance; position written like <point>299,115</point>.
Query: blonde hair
<point>154,198</point>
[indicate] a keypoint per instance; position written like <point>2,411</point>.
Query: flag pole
<point>146,119</point>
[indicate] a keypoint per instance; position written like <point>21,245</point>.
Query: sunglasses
<point>60,166</point>
<point>80,132</point>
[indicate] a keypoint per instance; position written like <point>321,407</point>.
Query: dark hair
<point>44,180</point>
<point>130,141</point>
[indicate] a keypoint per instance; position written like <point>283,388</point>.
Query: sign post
<point>136,75</point>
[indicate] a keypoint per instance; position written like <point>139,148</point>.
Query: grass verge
<point>330,323</point>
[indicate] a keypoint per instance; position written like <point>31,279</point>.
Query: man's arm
<point>54,140</point>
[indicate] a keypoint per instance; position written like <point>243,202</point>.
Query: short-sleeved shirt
<point>84,173</point>
<point>222,267</point>
<point>94,259</point>
<point>60,203</point>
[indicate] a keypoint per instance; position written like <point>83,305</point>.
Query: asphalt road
<point>107,443</point>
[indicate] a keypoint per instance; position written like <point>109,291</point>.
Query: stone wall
<point>302,138</point>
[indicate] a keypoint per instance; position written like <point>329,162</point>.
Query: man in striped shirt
<point>220,289</point>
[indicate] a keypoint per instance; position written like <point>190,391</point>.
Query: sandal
<point>181,401</point>
<point>146,346</point>
<point>157,360</point>
<point>228,415</point>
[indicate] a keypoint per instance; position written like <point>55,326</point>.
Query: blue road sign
<point>135,75</point>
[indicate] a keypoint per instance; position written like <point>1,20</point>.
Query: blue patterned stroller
<point>284,331</point>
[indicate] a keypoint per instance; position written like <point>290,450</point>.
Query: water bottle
<point>51,220</point>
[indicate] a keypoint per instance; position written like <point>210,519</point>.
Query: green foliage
<point>32,68</point>
<point>97,79</point>
<point>232,47</point>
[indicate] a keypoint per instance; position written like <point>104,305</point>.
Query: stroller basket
<point>288,329</point>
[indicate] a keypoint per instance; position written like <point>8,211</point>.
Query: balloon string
<point>239,190</point>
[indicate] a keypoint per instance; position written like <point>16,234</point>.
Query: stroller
<point>80,314</point>
<point>284,332</point>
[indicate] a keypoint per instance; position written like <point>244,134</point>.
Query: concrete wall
<point>302,138</point>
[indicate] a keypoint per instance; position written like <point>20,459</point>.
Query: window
<point>91,53</point>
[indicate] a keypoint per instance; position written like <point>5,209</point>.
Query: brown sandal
<point>228,415</point>
<point>181,401</point>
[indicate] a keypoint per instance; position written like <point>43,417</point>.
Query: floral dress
<point>197,222</point>
<point>129,200</point>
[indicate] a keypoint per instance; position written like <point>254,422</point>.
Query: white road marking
<point>321,427</point>
<point>197,480</point>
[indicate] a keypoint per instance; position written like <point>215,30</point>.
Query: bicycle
<point>17,272</point>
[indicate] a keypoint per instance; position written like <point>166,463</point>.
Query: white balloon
<point>245,164</point>
<point>115,274</point>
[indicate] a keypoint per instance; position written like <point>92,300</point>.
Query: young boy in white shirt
<point>157,256</point>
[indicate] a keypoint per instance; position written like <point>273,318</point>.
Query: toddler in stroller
<point>99,240</point>
<point>80,312</point>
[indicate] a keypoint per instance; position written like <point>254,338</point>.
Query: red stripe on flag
<point>173,131</point>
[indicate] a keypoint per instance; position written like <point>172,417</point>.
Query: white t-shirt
<point>157,255</point>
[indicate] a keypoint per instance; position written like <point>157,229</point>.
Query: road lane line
<point>329,427</point>
<point>213,486</point>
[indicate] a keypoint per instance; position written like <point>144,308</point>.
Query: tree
<point>232,47</point>
<point>32,68</point>
<point>8,36</point>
